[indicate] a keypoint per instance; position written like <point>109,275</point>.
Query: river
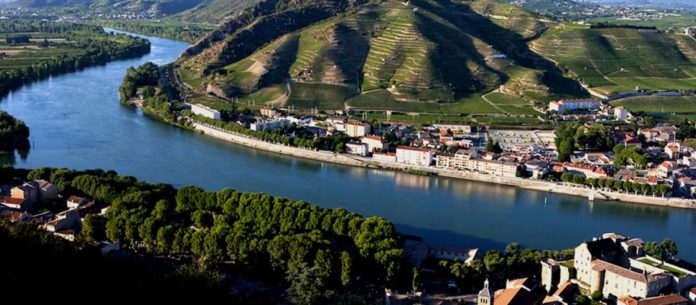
<point>77,122</point>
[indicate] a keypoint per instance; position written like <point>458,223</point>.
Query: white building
<point>563,106</point>
<point>414,155</point>
<point>374,143</point>
<point>384,157</point>
<point>357,129</point>
<point>620,114</point>
<point>205,111</point>
<point>267,124</point>
<point>355,148</point>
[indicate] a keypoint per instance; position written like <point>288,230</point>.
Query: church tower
<point>485,296</point>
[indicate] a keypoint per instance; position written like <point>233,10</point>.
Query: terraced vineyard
<point>426,56</point>
<point>618,59</point>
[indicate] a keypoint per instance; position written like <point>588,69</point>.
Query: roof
<point>75,199</point>
<point>12,200</point>
<point>600,265</point>
<point>372,137</point>
<point>601,246</point>
<point>43,183</point>
<point>660,300</point>
<point>576,101</point>
<point>357,123</point>
<point>412,148</point>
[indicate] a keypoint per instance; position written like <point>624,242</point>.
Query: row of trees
<point>316,253</point>
<point>146,75</point>
<point>617,185</point>
<point>95,48</point>
<point>14,134</point>
<point>497,266</point>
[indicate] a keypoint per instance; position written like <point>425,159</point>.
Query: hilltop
<point>619,59</point>
<point>435,56</point>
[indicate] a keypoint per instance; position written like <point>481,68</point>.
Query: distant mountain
<point>214,11</point>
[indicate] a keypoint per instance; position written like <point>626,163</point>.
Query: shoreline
<point>523,183</point>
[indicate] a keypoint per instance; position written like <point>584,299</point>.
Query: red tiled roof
<point>75,199</point>
<point>413,148</point>
<point>12,200</point>
<point>373,137</point>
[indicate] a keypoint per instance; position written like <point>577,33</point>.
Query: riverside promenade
<point>350,160</point>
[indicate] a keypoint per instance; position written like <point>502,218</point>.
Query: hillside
<point>615,60</point>
<point>434,56</point>
<point>555,8</point>
<point>214,11</point>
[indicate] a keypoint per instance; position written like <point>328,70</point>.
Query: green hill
<point>612,60</point>
<point>433,56</point>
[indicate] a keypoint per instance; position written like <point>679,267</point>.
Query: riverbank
<point>349,160</point>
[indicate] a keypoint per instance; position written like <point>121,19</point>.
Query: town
<point>597,148</point>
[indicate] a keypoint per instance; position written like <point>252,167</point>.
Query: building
<point>495,167</point>
<point>66,220</point>
<point>564,295</point>
<point>517,292</point>
<point>28,192</point>
<point>672,299</point>
<point>414,155</point>
<point>452,254</point>
<point>617,266</point>
<point>269,113</point>
<point>586,170</point>
<point>357,129</point>
<point>74,202</point>
<point>17,203</point>
<point>555,272</point>
<point>267,124</point>
<point>205,111</point>
<point>455,128</point>
<point>660,133</point>
<point>384,157</point>
<point>374,143</point>
<point>692,294</point>
<point>356,148</point>
<point>620,114</point>
<point>564,106</point>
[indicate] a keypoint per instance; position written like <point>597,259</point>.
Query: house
<point>660,133</point>
<point>517,292</point>
<point>74,202</point>
<point>672,299</point>
<point>414,155</point>
<point>563,106</point>
<point>374,143</point>
<point>269,113</point>
<point>620,114</point>
<point>27,191</point>
<point>357,129</point>
<point>384,157</point>
<point>495,167</point>
<point>586,170</point>
<point>665,169</point>
<point>203,110</point>
<point>692,294</point>
<point>66,220</point>
<point>673,150</point>
<point>47,190</point>
<point>555,272</point>
<point>17,203</point>
<point>454,128</point>
<point>564,295</point>
<point>357,148</point>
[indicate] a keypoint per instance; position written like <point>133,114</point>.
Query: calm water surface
<point>77,122</point>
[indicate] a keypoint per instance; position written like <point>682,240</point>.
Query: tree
<point>202,219</point>
<point>92,229</point>
<point>596,296</point>
<point>416,284</point>
<point>565,149</point>
<point>346,266</point>
<point>653,249</point>
<point>305,286</point>
<point>582,300</point>
<point>669,249</point>
<point>663,190</point>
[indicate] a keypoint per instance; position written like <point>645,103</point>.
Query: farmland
<point>682,106</point>
<point>615,60</point>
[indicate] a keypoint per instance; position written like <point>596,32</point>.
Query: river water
<point>76,121</point>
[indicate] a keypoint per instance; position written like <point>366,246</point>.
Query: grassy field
<point>684,105</point>
<point>322,96</point>
<point>383,100</point>
<point>617,59</point>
